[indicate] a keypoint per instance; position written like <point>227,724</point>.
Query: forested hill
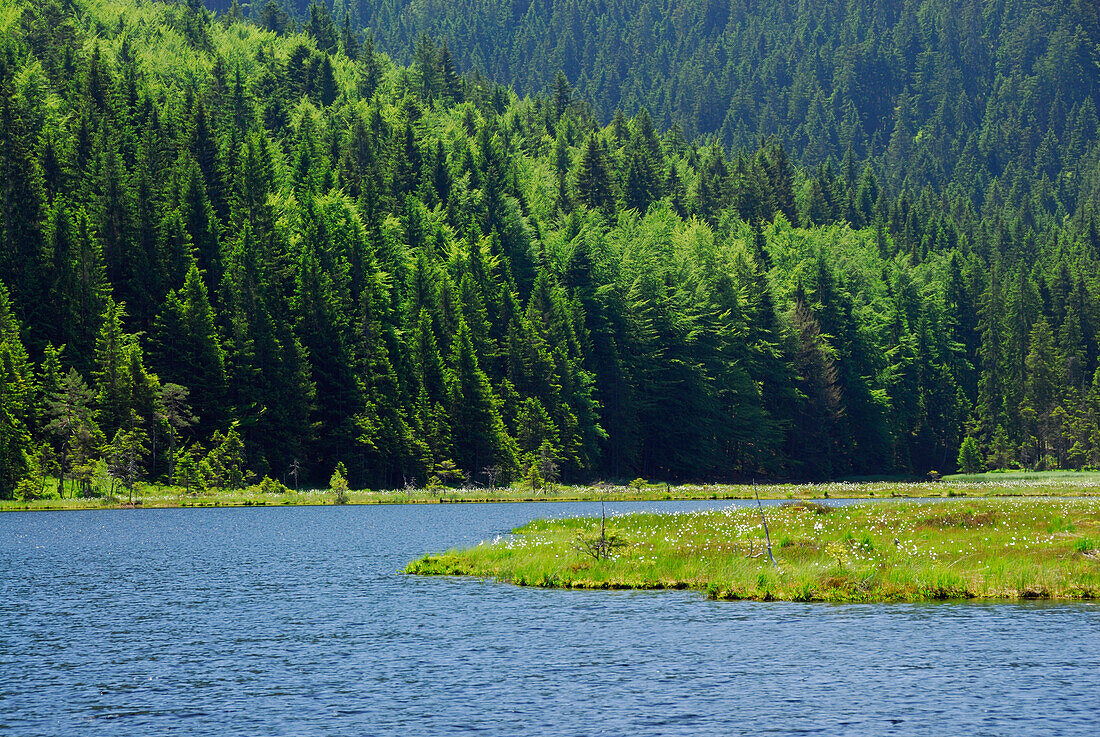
<point>933,92</point>
<point>226,250</point>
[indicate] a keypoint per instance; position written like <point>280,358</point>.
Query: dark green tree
<point>479,439</point>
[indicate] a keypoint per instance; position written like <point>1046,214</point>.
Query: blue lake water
<point>295,621</point>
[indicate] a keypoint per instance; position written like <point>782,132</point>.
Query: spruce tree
<point>594,177</point>
<point>70,415</point>
<point>188,350</point>
<point>113,382</point>
<point>479,437</point>
<point>17,390</point>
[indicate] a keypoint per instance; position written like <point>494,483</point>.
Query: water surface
<point>295,621</point>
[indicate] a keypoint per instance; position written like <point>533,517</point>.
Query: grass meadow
<point>1022,548</point>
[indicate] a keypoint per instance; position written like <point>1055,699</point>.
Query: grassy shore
<point>1060,484</point>
<point>896,551</point>
<point>1012,476</point>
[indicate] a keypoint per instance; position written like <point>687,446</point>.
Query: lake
<point>295,621</point>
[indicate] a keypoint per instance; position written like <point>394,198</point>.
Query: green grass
<point>998,477</point>
<point>1065,484</point>
<point>904,551</point>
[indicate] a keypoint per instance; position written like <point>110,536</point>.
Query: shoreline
<point>969,549</point>
<point>878,490</point>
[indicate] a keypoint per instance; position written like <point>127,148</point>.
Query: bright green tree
<point>970,459</point>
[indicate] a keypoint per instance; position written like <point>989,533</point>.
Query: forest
<point>248,243</point>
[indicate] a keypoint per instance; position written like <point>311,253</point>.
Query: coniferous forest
<point>692,240</point>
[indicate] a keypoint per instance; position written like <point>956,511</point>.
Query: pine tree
<point>322,322</point>
<point>114,214</point>
<point>174,412</point>
<point>594,178</point>
<point>562,95</point>
<point>712,193</point>
<point>17,389</point>
<point>427,66</point>
<point>325,85</point>
<point>186,471</point>
<point>14,435</point>
<point>349,38</point>
<point>113,382</point>
<point>188,350</point>
<point>323,28</point>
<point>369,68</point>
<point>479,439</point>
<point>780,173</point>
<point>990,408</point>
<point>562,162</point>
<point>969,460</point>
<point>200,225</point>
<point>385,433</point>
<point>71,417</point>
<point>819,383</point>
<point>126,458</point>
<point>533,428</point>
<point>1041,393</point>
<point>450,81</point>
<point>21,205</point>
<point>406,168</point>
<point>640,189</point>
<point>427,362</point>
<point>224,466</point>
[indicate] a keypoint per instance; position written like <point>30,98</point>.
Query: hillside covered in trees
<point>228,249</point>
<point>941,93</point>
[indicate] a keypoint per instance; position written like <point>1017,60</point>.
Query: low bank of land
<point>889,551</point>
<point>1060,484</point>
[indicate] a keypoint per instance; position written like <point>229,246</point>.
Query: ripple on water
<point>294,621</point>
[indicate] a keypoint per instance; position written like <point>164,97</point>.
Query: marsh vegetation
<point>889,551</point>
<point>100,494</point>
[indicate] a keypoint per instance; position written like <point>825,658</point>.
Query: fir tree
<point>188,349</point>
<point>480,438</point>
<point>594,178</point>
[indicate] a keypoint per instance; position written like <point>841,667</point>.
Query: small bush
<point>339,484</point>
<point>815,507</point>
<point>268,485</point>
<point>28,490</point>
<point>600,546</point>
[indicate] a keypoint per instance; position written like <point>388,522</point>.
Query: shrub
<point>339,484</point>
<point>269,485</point>
<point>815,507</point>
<point>28,489</point>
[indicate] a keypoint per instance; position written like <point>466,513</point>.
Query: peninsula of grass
<point>146,496</point>
<point>875,552</point>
